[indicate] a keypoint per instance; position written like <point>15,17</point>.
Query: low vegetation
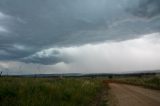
<point>48,92</point>
<point>146,81</point>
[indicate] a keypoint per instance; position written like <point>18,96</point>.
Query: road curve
<point>128,95</point>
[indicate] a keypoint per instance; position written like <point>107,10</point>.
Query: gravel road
<point>128,95</point>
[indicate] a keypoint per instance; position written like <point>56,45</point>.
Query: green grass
<point>48,92</point>
<point>146,81</point>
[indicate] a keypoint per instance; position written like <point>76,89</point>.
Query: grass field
<point>48,92</point>
<point>63,91</point>
<point>146,81</point>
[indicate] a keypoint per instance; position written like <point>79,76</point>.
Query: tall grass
<point>48,92</point>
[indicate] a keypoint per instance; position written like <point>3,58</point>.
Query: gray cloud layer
<point>147,8</point>
<point>125,56</point>
<point>29,26</point>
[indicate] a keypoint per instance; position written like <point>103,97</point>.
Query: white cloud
<point>20,47</point>
<point>2,29</point>
<point>131,55</point>
<point>137,54</point>
<point>2,16</point>
<point>3,20</point>
<point>3,65</point>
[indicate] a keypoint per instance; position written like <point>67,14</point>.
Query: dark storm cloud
<point>14,52</point>
<point>34,25</point>
<point>43,60</point>
<point>49,22</point>
<point>46,57</point>
<point>147,8</point>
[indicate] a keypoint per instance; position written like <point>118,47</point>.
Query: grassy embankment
<point>48,92</point>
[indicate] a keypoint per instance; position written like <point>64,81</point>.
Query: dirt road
<point>127,95</point>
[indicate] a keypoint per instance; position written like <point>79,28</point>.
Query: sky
<point>79,36</point>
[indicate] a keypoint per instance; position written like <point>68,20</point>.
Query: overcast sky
<point>79,36</point>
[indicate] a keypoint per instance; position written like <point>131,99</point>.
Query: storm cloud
<point>29,30</point>
<point>113,57</point>
<point>147,8</point>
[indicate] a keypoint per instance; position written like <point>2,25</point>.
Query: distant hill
<point>137,73</point>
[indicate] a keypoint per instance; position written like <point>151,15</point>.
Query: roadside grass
<point>48,92</point>
<point>145,81</point>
